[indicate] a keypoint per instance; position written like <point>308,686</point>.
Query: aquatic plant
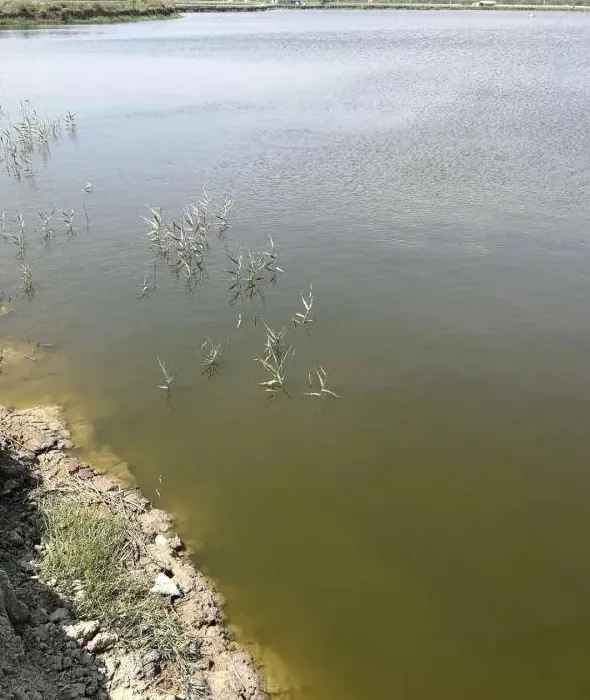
<point>252,272</point>
<point>211,353</point>
<point>304,318</point>
<point>149,286</point>
<point>275,355</point>
<point>28,136</point>
<point>222,212</point>
<point>68,220</point>
<point>47,230</point>
<point>4,301</point>
<point>318,388</point>
<point>182,243</point>
<point>167,375</point>
<point>39,345</point>
<point>87,218</point>
<point>27,283</point>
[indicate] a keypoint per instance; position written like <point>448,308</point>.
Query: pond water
<point>424,536</point>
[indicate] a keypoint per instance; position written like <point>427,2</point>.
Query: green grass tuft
<point>83,543</point>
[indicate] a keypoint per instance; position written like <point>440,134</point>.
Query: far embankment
<point>26,13</point>
<point>245,6</point>
<point>17,13</point>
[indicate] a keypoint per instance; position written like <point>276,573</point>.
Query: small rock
<point>39,616</point>
<point>66,662</point>
<point>86,658</point>
<point>59,615</point>
<point>176,544</point>
<point>162,557</point>
<point>91,689</point>
<point>103,483</point>
<point>42,633</point>
<point>102,642</point>
<point>75,691</point>
<point>15,538</point>
<point>152,657</point>
<point>27,566</point>
<point>82,631</point>
<point>18,612</point>
<point>150,663</point>
<point>155,522</point>
<point>164,585</point>
<point>65,444</point>
<point>28,694</point>
<point>161,541</point>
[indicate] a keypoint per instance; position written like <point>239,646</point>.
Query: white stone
<point>164,585</point>
<point>161,541</point>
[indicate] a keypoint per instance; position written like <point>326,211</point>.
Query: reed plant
<point>211,357</point>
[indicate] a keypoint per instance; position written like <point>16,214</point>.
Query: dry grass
<point>85,544</point>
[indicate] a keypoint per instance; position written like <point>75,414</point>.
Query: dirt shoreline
<point>48,654</point>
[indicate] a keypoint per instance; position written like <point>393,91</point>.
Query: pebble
<point>76,690</point>
<point>86,659</point>
<point>176,543</point>
<point>151,657</point>
<point>15,538</point>
<point>39,616</point>
<point>59,615</point>
<point>82,631</point>
<point>161,541</point>
<point>91,689</point>
<point>102,642</point>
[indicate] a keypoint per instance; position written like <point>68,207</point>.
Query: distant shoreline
<point>262,7</point>
<point>23,14</point>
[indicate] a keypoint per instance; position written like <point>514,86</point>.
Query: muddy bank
<point>47,650</point>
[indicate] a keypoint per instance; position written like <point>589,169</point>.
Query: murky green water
<point>424,537</point>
